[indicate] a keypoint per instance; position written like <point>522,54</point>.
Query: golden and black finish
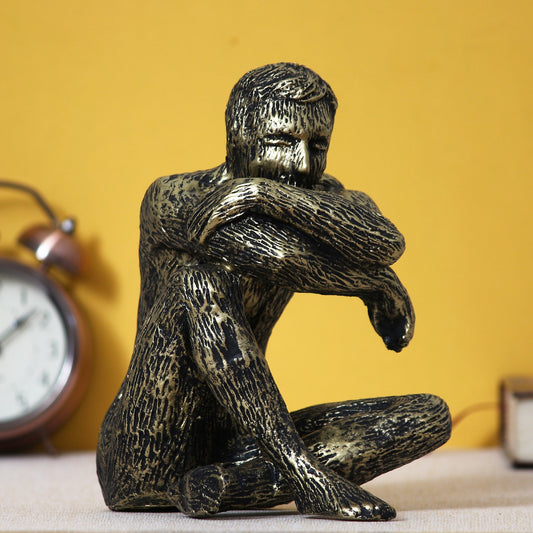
<point>199,424</point>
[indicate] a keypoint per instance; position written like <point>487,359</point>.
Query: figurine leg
<point>365,438</point>
<point>164,421</point>
<point>357,439</point>
<point>227,357</point>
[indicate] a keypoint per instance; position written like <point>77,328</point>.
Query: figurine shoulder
<point>175,190</point>
<point>329,183</point>
<point>177,185</point>
<point>361,199</point>
<point>170,201</point>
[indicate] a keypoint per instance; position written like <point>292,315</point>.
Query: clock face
<point>35,345</point>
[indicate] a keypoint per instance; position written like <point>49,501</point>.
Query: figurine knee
<point>219,332</point>
<point>421,421</point>
<point>438,416</point>
<point>419,424</point>
<point>206,285</point>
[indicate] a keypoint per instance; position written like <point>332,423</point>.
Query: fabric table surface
<point>449,490</point>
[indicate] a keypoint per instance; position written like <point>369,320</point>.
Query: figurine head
<point>279,120</point>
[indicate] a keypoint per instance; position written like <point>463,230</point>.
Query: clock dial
<point>44,338</point>
<point>44,355</point>
<point>33,347</point>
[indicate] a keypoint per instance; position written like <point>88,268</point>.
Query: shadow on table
<point>259,513</point>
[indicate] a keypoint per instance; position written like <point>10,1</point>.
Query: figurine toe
<point>200,491</point>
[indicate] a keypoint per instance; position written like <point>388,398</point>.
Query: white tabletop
<point>449,490</point>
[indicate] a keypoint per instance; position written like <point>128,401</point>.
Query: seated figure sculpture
<point>198,424</point>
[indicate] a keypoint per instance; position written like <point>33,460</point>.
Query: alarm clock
<point>44,340</point>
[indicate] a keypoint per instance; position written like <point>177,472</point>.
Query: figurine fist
<point>393,321</point>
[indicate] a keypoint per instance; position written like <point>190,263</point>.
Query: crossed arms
<point>329,241</point>
<point>347,221</point>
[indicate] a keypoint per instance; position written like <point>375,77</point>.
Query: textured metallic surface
<point>199,424</point>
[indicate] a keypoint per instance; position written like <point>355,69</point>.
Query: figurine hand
<point>224,204</point>
<point>394,323</point>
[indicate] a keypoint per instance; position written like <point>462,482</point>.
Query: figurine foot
<point>348,502</point>
<point>200,491</point>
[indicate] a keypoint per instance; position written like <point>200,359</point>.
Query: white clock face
<point>33,347</point>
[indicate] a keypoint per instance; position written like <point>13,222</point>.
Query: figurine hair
<point>277,82</point>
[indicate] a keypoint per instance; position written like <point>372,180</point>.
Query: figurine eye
<point>319,145</point>
<point>279,139</point>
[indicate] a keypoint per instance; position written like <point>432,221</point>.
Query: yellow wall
<point>435,122</point>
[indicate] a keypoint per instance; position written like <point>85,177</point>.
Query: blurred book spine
<point>517,419</point>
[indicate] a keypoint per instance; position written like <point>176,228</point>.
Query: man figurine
<point>198,424</point>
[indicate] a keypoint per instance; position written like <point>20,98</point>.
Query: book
<point>517,419</point>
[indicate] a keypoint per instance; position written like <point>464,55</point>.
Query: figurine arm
<point>348,221</point>
<point>280,254</point>
<point>266,248</point>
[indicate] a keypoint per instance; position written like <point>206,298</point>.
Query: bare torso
<point>162,250</point>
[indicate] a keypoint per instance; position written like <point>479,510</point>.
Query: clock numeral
<point>21,399</point>
<point>45,319</point>
<point>54,349</point>
<point>45,379</point>
<point>24,296</point>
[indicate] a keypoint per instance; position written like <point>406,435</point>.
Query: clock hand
<point>15,326</point>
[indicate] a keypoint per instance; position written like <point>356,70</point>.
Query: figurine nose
<point>303,157</point>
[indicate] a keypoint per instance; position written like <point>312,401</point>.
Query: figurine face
<point>292,142</point>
